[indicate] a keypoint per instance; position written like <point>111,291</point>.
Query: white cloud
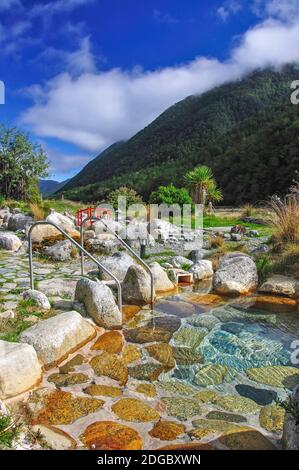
<point>93,110</point>
<point>57,6</point>
<point>164,17</point>
<point>285,10</point>
<point>7,4</point>
<point>230,7</point>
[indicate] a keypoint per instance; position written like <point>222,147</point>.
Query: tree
<point>131,196</point>
<point>170,195</point>
<point>202,185</point>
<point>22,163</point>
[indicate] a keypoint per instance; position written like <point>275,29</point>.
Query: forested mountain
<point>246,131</point>
<point>48,187</point>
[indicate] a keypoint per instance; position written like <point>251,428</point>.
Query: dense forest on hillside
<point>246,131</point>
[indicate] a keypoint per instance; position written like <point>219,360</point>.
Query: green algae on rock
<point>110,341</point>
<point>236,404</point>
<point>206,396</point>
<point>167,430</point>
<point>146,389</point>
<point>190,337</point>
<point>162,352</point>
<point>187,356</point>
<point>54,407</point>
<point>176,387</point>
<point>206,427</point>
<point>110,366</point>
<point>65,380</point>
<point>181,408</point>
<point>246,439</point>
<point>272,418</point>
<point>148,334</point>
<point>108,435</point>
<point>149,371</point>
<point>130,354</point>
<point>275,376</point>
<point>211,374</point>
<point>131,409</point>
<point>71,364</point>
<point>230,417</point>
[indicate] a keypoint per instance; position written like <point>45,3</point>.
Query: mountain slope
<point>48,187</point>
<point>246,131</point>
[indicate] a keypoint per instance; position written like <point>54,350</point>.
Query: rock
<point>275,376</point>
<point>129,311</point>
<point>39,299</point>
<point>7,315</point>
<point>111,366</point>
<point>108,435</point>
<point>18,222</point>
<point>176,387</point>
<point>206,396</point>
<point>61,251</point>
<point>202,270</point>
<point>162,282</point>
<point>61,220</point>
<point>260,396</point>
<point>118,264</point>
<point>187,356</point>
<point>88,234</point>
<point>20,369</point>
<point>236,237</point>
<point>147,334</point>
<point>196,255</point>
<point>131,354</point>
<point>99,302</point>
<point>9,241</point>
<point>105,245</point>
<point>248,439</point>
<point>136,287</point>
<point>230,417</point>
<point>272,303</point>
<point>279,285</point>
<point>206,427</point>
<point>148,371</point>
<point>71,364</point>
<point>54,407</point>
<point>181,309</point>
<point>4,212</point>
<point>162,352</point>
<point>190,446</point>
<point>181,262</point>
<point>236,404</point>
<point>204,321</point>
<point>131,409</point>
<point>290,437</point>
<point>113,225</point>
<point>111,342</point>
<point>58,287</point>
<point>57,337</point>
<point>271,418</point>
<point>253,233</point>
<point>207,299</point>
<point>237,275</point>
<point>167,430</point>
<point>181,408</point>
<point>64,380</point>
<point>103,390</point>
<point>210,375</point>
<point>55,438</point>
<point>189,337</point>
<point>146,389</point>
<point>260,249</point>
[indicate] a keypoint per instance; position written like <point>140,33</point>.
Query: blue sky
<point>82,74</point>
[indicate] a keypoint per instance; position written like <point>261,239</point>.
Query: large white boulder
<point>280,285</point>
<point>57,337</point>
<point>39,298</point>
<point>118,264</point>
<point>236,275</point>
<point>181,262</point>
<point>62,220</point>
<point>99,302</point>
<point>203,269</point>
<point>60,251</point>
<point>9,241</point>
<point>162,282</point>
<point>137,286</point>
<point>19,369</point>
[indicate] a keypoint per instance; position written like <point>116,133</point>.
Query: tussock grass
<point>285,219</point>
<point>37,212</point>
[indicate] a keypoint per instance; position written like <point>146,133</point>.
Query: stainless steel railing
<point>82,251</point>
<point>145,265</point>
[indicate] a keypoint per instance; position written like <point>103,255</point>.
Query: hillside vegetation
<point>246,132</point>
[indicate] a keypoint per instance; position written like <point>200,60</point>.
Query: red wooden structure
<point>92,212</point>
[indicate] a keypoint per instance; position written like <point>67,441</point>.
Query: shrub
<point>285,218</point>
<point>264,267</point>
<point>170,195</point>
<point>216,242</point>
<point>130,194</point>
<point>248,210</point>
<point>37,212</point>
<point>9,431</point>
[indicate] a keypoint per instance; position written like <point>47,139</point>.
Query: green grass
<point>9,431</point>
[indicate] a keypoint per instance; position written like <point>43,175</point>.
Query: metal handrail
<point>145,265</point>
<point>82,251</point>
